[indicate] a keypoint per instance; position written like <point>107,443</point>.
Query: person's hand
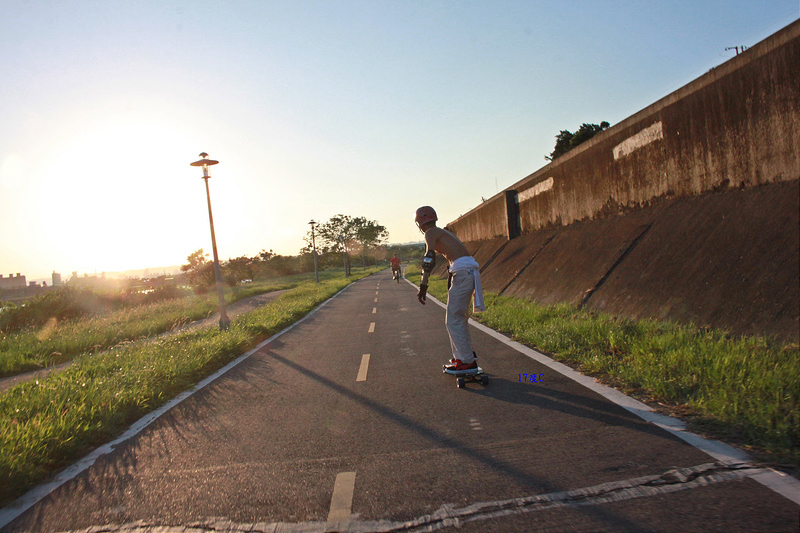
<point>423,291</point>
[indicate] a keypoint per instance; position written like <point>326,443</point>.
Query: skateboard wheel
<point>460,383</point>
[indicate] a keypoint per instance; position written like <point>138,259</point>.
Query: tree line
<point>338,242</point>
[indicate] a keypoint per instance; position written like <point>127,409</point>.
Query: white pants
<point>458,299</point>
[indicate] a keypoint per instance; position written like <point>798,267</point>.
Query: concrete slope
<point>728,260</point>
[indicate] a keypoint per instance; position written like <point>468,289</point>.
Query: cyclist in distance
<point>395,268</point>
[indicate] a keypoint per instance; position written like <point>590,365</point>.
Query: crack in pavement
<point>674,480</point>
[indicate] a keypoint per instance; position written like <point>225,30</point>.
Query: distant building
<point>56,279</point>
<point>13,282</point>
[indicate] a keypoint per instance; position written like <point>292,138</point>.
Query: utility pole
<point>314,247</point>
<point>737,48</point>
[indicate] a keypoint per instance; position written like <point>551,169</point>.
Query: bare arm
<point>428,263</point>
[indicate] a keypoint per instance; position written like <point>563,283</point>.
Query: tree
<point>566,140</point>
<point>200,271</point>
<point>239,269</point>
<point>369,234</point>
<point>342,234</point>
<point>334,234</point>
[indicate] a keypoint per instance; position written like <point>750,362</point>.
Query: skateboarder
<point>465,279</point>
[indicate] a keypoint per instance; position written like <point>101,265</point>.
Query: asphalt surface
<point>310,434</point>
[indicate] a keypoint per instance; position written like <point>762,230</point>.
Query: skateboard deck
<point>463,376</point>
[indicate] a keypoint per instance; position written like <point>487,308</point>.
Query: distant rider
<point>465,279</point>
<point>395,267</point>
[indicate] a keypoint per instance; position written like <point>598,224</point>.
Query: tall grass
<point>56,341</point>
<point>743,389</point>
<point>68,302</point>
<point>46,424</point>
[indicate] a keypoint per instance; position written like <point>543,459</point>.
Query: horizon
<point>117,273</point>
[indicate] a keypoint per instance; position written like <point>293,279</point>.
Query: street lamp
<point>224,321</point>
<point>344,256</point>
<point>314,246</point>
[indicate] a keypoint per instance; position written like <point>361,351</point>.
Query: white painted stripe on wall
<point>539,188</point>
<point>643,138</point>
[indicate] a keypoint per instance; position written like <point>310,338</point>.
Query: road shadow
<point>588,405</point>
<point>445,441</point>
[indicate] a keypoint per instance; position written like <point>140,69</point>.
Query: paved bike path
<point>346,423</point>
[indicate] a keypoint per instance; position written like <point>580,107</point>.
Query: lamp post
<point>314,247</point>
<point>344,256</point>
<point>224,321</point>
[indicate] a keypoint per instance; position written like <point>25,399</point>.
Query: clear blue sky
<point>313,108</point>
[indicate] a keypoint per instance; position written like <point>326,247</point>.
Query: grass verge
<point>57,342</point>
<point>47,424</point>
<point>743,390</point>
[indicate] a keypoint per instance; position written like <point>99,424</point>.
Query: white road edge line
<point>342,498</point>
<point>33,496</point>
<point>784,484</point>
<point>362,370</point>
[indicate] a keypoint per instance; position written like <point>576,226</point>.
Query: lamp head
<point>205,163</point>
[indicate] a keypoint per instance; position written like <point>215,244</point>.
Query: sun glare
<point>113,197</point>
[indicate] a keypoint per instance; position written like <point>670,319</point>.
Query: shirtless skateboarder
<point>465,279</point>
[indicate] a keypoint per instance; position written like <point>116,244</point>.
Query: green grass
<point>47,424</point>
<point>59,341</point>
<point>745,390</point>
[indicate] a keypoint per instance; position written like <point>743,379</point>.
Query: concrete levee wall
<point>736,126</point>
<point>686,210</point>
<point>485,223</point>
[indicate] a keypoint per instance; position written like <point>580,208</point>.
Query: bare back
<point>442,241</point>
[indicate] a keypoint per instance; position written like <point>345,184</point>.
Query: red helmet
<point>425,214</point>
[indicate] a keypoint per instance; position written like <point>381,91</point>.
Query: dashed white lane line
<point>362,370</point>
<point>374,310</point>
<point>371,327</point>
<point>376,300</point>
<point>342,499</point>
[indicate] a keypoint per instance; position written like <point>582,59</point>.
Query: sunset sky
<point>313,108</point>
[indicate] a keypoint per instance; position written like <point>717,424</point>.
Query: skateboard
<point>462,376</point>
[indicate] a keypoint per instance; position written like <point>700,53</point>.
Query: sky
<point>313,108</point>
